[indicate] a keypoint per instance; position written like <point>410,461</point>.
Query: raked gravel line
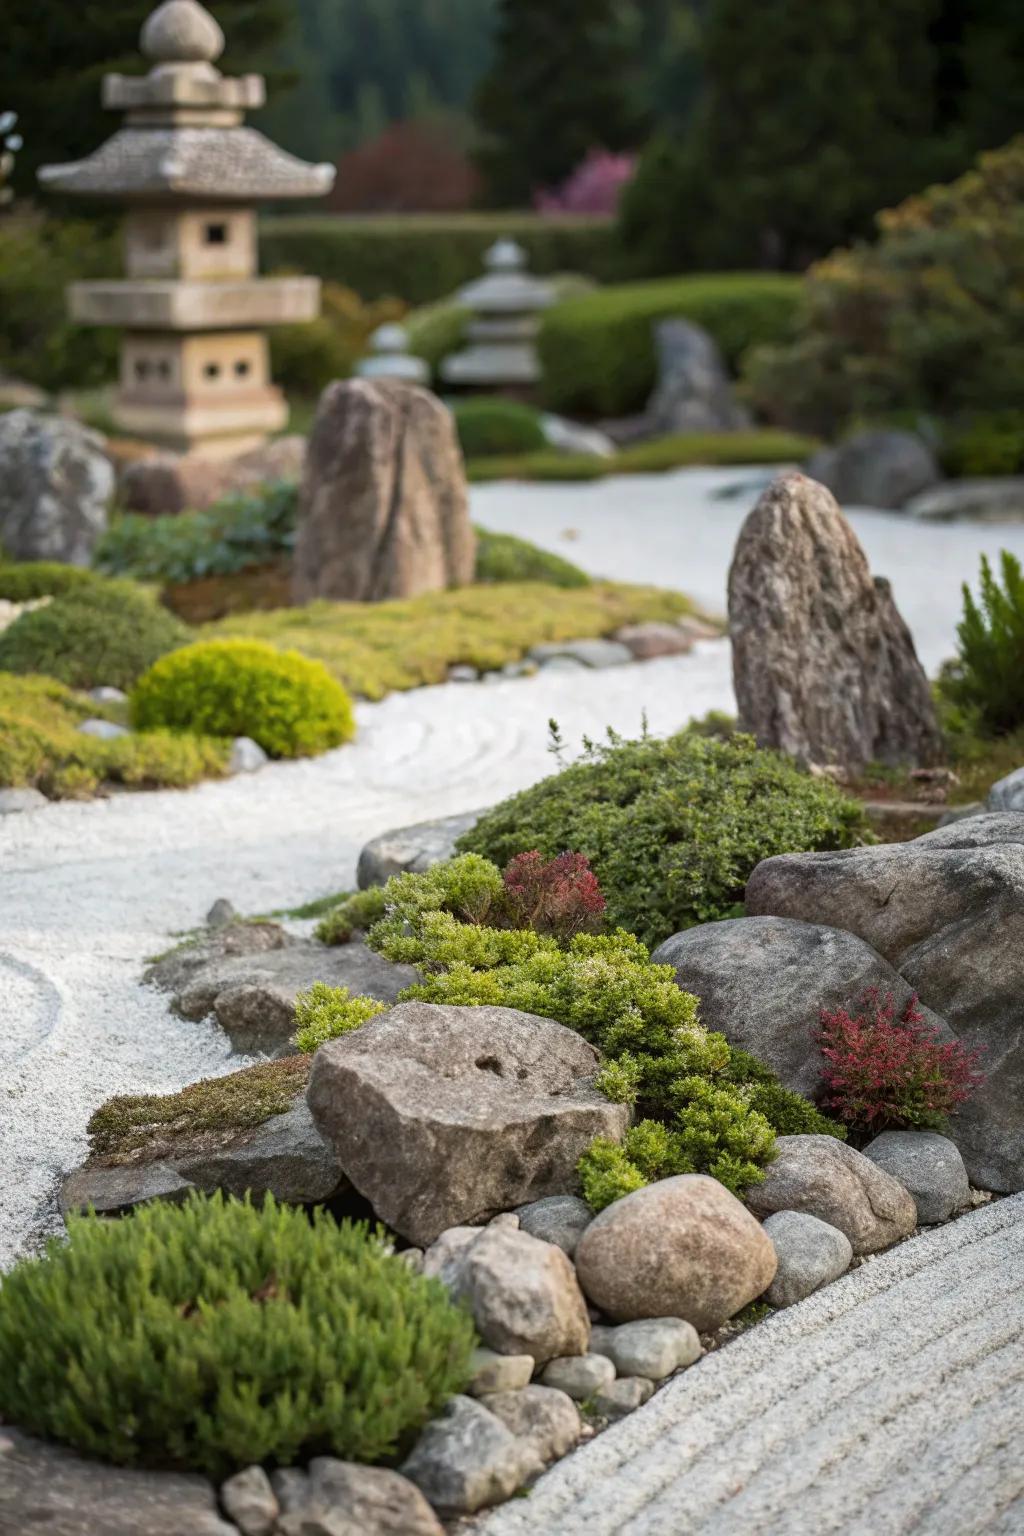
<point>889,1403</point>
<point>88,891</point>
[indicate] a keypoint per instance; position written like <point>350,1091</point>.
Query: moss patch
<point>681,451</point>
<point>148,1127</point>
<point>378,648</point>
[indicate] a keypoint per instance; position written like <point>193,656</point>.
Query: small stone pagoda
<point>389,357</point>
<point>195,373</point>
<point>505,308</point>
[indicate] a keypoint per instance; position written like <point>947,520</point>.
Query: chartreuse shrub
<point>42,747</point>
<point>29,579</point>
<point>490,425</point>
<point>503,557</point>
<point>323,1013</point>
<point>986,680</point>
<point>96,632</point>
<point>215,1334</point>
<point>288,704</point>
<point>521,941</point>
<point>673,829</point>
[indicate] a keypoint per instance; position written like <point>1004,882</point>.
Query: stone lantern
<point>390,358</point>
<point>505,308</point>
<point>195,373</point>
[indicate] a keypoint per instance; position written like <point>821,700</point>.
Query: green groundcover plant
<point>288,704</point>
<point>673,829</point>
<point>96,632</point>
<point>527,940</point>
<point>215,1334</point>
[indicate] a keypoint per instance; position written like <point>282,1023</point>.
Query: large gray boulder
<point>47,1489</point>
<point>56,488</point>
<point>345,1498</point>
<point>763,982</point>
<point>877,468</point>
<point>412,849</point>
<point>693,392</point>
<point>445,1115</point>
<point>929,1166</point>
<point>384,510</point>
<point>947,911</point>
<point>810,1252</point>
<point>684,1247</point>
<point>823,665</point>
<point>253,996</point>
<point>467,1459</point>
<point>826,1178</point>
<point>1008,793</point>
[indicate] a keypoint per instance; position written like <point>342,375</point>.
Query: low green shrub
<point>985,682</point>
<point>673,829</point>
<point>214,1334</point>
<point>681,450</point>
<point>39,257</point>
<point>323,1013</point>
<point>41,746</point>
<point>598,353</point>
<point>986,446</point>
<point>305,358</point>
<point>243,530</point>
<point>355,913</point>
<point>489,426</point>
<point>421,258</point>
<point>95,633</point>
<point>22,583</point>
<point>605,987</point>
<point>288,704</point>
<point>503,557</point>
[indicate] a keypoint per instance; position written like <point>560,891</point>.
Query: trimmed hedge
<point>424,258</point>
<point>215,1334</point>
<point>597,352</point>
<point>97,632</point>
<point>491,426</point>
<point>288,704</point>
<point>23,583</point>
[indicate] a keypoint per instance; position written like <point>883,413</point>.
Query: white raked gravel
<point>886,1404</point>
<point>88,891</point>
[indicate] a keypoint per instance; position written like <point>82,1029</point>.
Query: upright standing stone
<point>384,510</point>
<point>693,393</point>
<point>56,487</point>
<point>823,665</point>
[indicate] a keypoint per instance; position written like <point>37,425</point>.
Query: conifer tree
<point>561,83</point>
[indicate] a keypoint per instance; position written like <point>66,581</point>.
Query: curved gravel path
<point>88,891</point>
<point>889,1403</point>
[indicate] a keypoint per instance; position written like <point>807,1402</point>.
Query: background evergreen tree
<point>54,56</point>
<point>562,82</point>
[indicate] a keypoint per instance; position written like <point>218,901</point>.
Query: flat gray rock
<point>763,982</point>
<point>111,1191</point>
<point>929,1166</point>
<point>286,1156</point>
<point>174,970</point>
<point>103,730</point>
<point>413,849</point>
<point>886,1402</point>
<point>811,1254</point>
<point>588,653</point>
<point>993,500</point>
<point>653,1347</point>
<point>580,1376</point>
<point>13,802</point>
<point>1008,793</point>
<point>839,1185</point>
<point>47,1489</point>
<point>560,1219</point>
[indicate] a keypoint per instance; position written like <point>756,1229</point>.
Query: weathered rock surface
<point>623,1396</point>
<point>499,1373</point>
<point>1008,793</point>
<point>253,996</point>
<point>588,653</point>
<point>652,639</point>
<point>929,1166</point>
<point>467,1459</point>
<point>47,1489</point>
<point>250,1501</point>
<point>247,756</point>
<point>877,469</point>
<point>810,1252</point>
<point>373,1501</point>
<point>542,1418</point>
<point>581,1376</point>
<point>763,981</point>
<point>995,500</point>
<point>839,1185</point>
<point>652,1348</point>
<point>684,1248</point>
<point>415,849</point>
<point>948,912</point>
<point>693,392</point>
<point>384,511</point>
<point>173,971</point>
<point>158,484</point>
<point>523,1294</point>
<point>113,1190</point>
<point>56,488</point>
<point>446,1115</point>
<point>823,665</point>
<point>560,1219</point>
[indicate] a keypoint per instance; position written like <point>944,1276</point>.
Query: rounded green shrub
<point>672,829</point>
<point>490,426</point>
<point>290,705</point>
<point>503,557</point>
<point>22,583</point>
<point>215,1334</point>
<point>97,632</point>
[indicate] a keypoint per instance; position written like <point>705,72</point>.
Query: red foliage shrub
<point>561,897</point>
<point>412,167</point>
<point>595,186</point>
<point>886,1073</point>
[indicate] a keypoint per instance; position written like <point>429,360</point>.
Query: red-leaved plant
<point>887,1073</point>
<point>560,897</point>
